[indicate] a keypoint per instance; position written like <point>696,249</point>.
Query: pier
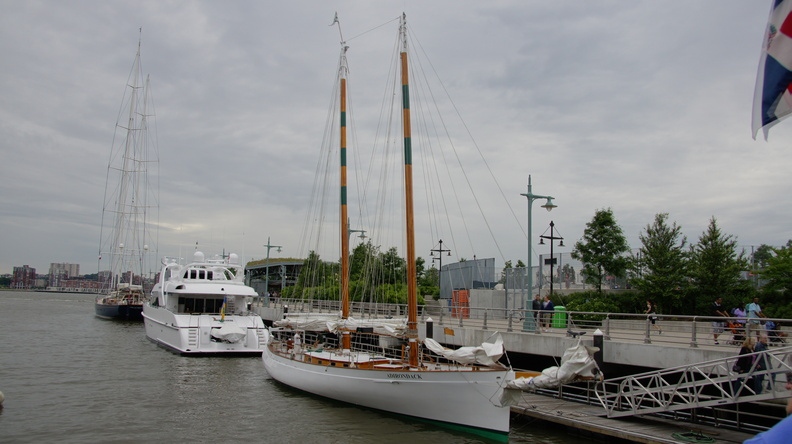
<point>674,386</point>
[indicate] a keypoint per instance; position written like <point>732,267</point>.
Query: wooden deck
<point>642,429</point>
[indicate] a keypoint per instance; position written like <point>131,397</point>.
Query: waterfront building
<point>59,272</point>
<point>24,277</point>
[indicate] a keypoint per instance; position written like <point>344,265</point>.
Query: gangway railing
<point>705,384</point>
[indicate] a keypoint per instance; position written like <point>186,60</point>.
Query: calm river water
<point>69,377</point>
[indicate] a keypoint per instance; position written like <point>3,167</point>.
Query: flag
<point>773,94</point>
<point>222,310</point>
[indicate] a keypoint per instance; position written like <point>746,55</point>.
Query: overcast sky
<point>639,106</point>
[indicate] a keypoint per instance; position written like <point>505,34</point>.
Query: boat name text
<point>404,376</point>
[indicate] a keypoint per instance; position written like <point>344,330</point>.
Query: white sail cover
<point>577,361</point>
<point>487,353</point>
<point>229,333</point>
<point>333,323</point>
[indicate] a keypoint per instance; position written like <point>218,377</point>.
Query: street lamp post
<point>527,324</point>
<point>440,252</point>
<point>350,231</point>
<point>551,237</point>
<point>266,279</point>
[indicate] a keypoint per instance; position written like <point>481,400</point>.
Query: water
<point>70,377</point>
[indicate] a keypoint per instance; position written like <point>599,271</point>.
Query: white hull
<point>192,334</point>
<point>466,398</point>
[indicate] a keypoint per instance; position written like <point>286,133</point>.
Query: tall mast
<point>412,273</point>
<point>343,70</point>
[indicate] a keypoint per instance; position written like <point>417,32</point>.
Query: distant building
<point>79,286</point>
<point>61,272</point>
<point>24,277</point>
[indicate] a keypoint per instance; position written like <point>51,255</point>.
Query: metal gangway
<point>705,384</point>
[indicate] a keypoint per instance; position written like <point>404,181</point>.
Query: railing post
<point>647,339</point>
<point>509,317</point>
<point>693,343</point>
<point>606,326</point>
<point>484,327</point>
<point>442,312</point>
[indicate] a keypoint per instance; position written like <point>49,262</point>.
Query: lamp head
<point>561,244</point>
<point>549,205</point>
<point>541,241</point>
<point>279,249</point>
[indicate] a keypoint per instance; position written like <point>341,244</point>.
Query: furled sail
<point>487,353</point>
<point>334,324</point>
<point>577,362</point>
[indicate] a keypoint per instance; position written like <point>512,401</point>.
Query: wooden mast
<point>412,273</point>
<point>346,342</point>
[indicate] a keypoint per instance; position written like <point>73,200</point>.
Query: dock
<point>641,429</point>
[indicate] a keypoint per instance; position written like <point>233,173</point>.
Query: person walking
<point>755,315</point>
<point>718,325</point>
<point>651,310</point>
<point>743,364</point>
<point>547,312</point>
<point>761,362</point>
<point>536,306</point>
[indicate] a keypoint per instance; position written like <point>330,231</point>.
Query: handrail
<point>695,330</point>
<point>703,384</point>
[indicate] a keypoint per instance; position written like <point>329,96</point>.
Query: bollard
<point>599,343</point>
<point>429,328</point>
<point>285,311</point>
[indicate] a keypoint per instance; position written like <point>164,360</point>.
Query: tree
<point>761,256</point>
<point>715,268</point>
<point>660,266</point>
<point>602,249</point>
<point>778,274</point>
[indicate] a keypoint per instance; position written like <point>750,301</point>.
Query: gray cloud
<point>642,107</point>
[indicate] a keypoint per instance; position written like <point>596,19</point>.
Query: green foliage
<point>429,283</point>
<point>762,256</point>
<point>602,249</point>
<point>593,301</point>
<point>374,277</point>
<point>660,266</point>
<point>715,269</point>
<point>778,274</point>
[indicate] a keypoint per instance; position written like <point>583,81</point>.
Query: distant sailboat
<point>393,371</point>
<point>130,206</point>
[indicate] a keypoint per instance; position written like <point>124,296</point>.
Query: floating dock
<point>643,429</point>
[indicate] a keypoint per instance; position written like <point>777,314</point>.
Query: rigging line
<point>375,28</point>
<point>470,186</point>
<point>478,149</point>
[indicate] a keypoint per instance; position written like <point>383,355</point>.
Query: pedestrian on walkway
<point>651,310</point>
<point>718,325</point>
<point>761,362</point>
<point>536,306</point>
<point>755,315</point>
<point>743,364</point>
<point>547,312</point>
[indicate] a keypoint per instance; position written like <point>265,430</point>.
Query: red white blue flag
<point>773,94</point>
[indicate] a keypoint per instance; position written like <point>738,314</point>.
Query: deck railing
<point>669,329</point>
